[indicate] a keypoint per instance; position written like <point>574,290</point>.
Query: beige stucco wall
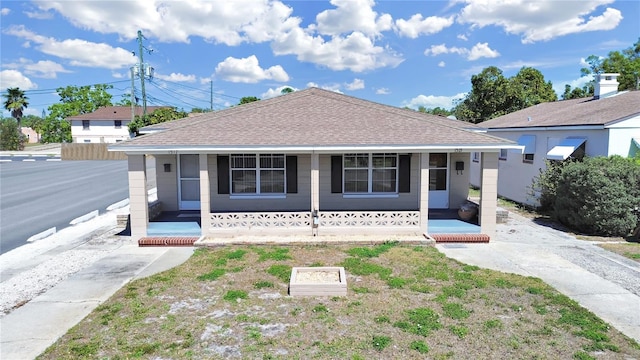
<point>167,182</point>
<point>458,180</point>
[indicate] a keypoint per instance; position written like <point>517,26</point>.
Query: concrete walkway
<point>603,282</point>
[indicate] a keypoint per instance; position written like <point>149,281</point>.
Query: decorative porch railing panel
<point>275,220</point>
<point>369,218</point>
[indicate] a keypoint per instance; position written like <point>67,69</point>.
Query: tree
<point>15,103</point>
<point>10,138</point>
<point>125,100</point>
<point>286,90</point>
<point>248,99</point>
<point>493,95</point>
<point>577,93</point>
<point>625,62</point>
<point>74,100</point>
<point>435,111</point>
<point>158,116</point>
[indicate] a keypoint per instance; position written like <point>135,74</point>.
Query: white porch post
<point>138,198</point>
<point>424,192</point>
<point>315,184</point>
<point>205,195</point>
<point>488,193</point>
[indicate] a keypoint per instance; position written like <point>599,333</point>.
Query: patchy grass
<point>629,250</point>
<point>403,302</point>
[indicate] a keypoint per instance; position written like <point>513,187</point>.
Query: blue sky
<point>401,53</point>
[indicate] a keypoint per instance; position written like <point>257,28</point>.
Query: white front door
<point>189,182</point>
<point>438,181</point>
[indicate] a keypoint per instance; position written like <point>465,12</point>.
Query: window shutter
<point>404,173</point>
<point>223,174</point>
<point>336,174</point>
<point>292,174</point>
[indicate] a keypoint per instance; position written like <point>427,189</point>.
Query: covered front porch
<point>219,226</point>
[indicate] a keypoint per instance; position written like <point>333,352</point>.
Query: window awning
<point>529,143</point>
<point>566,147</point>
<point>636,140</point>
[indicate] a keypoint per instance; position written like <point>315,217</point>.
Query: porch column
<point>205,195</point>
<point>424,192</point>
<point>315,182</point>
<point>488,193</point>
<point>138,198</point>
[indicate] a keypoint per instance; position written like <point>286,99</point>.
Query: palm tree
<point>15,102</point>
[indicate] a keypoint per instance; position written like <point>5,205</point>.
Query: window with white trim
<point>86,124</point>
<point>258,174</point>
<point>370,173</point>
<point>117,124</point>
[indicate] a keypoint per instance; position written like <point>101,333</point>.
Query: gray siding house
<point>311,163</point>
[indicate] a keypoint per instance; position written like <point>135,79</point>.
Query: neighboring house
<point>311,162</point>
<point>32,135</point>
<point>606,124</point>
<point>107,124</point>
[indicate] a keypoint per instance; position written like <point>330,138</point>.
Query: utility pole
<point>133,97</point>
<point>141,73</point>
<point>211,104</point>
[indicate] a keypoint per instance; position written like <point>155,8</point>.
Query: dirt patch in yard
<point>403,302</point>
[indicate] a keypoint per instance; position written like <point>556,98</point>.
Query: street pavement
<point>602,282</point>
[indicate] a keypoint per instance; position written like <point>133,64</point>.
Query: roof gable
<point>312,117</point>
<point>575,112</point>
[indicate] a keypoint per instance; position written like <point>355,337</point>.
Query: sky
<point>209,54</point>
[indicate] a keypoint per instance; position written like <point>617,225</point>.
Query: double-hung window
<point>86,124</point>
<point>262,174</point>
<point>370,173</point>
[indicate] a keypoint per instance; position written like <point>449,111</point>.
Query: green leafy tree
<point>434,111</point>
<point>125,100</point>
<point>74,100</point>
<point>493,95</point>
<point>625,62</point>
<point>10,138</point>
<point>248,99</point>
<point>198,110</point>
<point>15,102</point>
<point>286,90</point>
<point>158,116</point>
<point>576,93</point>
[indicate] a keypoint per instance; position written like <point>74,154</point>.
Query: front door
<point>189,182</point>
<point>438,181</point>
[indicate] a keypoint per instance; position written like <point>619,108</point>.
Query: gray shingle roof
<point>312,117</point>
<point>113,113</point>
<point>585,111</point>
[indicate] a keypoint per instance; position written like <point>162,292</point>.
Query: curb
<point>118,205</point>
<point>84,218</point>
<point>42,235</point>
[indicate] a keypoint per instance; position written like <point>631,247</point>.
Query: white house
<point>604,125</point>
<point>107,124</point>
<point>311,162</point>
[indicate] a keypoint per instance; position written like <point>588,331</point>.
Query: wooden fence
<point>81,151</point>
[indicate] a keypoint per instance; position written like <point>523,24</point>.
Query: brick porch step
<point>167,241</point>
<point>460,238</point>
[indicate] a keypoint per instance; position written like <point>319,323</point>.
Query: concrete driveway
<point>605,283</point>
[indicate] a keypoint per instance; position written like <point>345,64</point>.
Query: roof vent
<point>528,118</point>
<point>605,85</point>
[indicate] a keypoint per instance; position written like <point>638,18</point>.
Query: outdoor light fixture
<point>167,167</point>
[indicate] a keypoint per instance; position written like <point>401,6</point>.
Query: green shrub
<point>10,137</point>
<point>598,194</point>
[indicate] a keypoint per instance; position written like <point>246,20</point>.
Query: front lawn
<point>403,302</point>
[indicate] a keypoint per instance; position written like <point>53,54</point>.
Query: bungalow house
<point>607,124</point>
<point>311,163</point>
<point>107,124</point>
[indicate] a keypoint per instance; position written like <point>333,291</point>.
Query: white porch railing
<point>330,223</point>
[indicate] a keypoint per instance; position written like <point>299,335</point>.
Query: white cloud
<point>40,15</point>
<point>478,51</point>
<point>78,52</point>
<point>431,101</point>
<point>580,82</point>
<point>355,52</point>
<point>383,91</point>
<point>442,64</point>
<point>275,92</point>
<point>482,50</point>
<point>176,77</point>
<point>248,70</point>
<point>344,38</point>
<point>462,37</point>
<point>350,16</point>
<point>331,87</point>
<point>540,20</point>
<point>46,69</point>
<point>5,11</point>
<point>417,26</point>
<point>356,84</point>
<point>14,78</point>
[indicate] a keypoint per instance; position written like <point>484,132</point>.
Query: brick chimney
<point>606,85</point>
